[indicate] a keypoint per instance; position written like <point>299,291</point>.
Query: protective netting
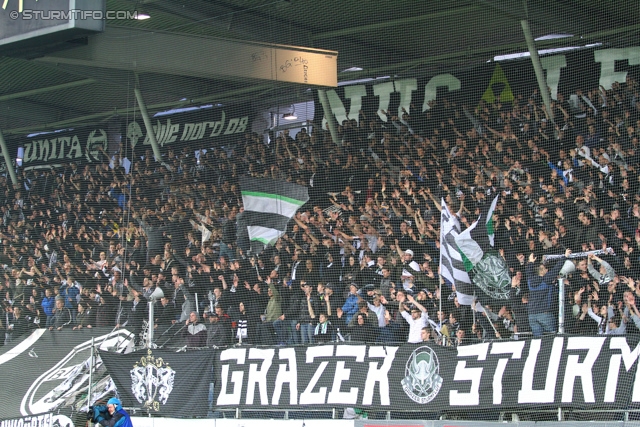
<point>455,242</point>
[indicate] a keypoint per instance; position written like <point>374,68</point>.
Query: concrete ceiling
<point>49,89</point>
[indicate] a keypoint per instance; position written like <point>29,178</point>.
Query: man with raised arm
<point>543,294</point>
<point>417,320</point>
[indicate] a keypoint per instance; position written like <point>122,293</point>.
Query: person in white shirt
<point>378,307</point>
<point>417,320</point>
<point>607,322</point>
<point>582,150</point>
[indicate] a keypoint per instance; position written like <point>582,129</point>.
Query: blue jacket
<point>350,307</point>
<point>542,290</point>
<point>120,417</point>
<point>48,304</point>
<point>561,175</point>
<point>70,294</point>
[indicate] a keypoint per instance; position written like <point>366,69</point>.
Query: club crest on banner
<point>65,383</point>
<point>134,133</point>
<point>97,140</point>
<point>152,381</point>
<point>422,380</point>
<point>491,275</point>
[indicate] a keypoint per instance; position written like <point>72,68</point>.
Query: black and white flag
<point>163,382</point>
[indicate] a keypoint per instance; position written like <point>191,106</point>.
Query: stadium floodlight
<point>291,115</point>
<point>142,15</point>
<point>20,156</point>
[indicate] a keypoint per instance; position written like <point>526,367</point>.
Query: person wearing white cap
<point>408,280</point>
<point>408,261</point>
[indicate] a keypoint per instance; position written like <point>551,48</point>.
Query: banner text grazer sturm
<point>557,371</point>
<point>199,129</point>
<point>578,372</point>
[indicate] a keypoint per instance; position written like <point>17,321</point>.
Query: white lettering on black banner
<point>552,65</point>
<point>569,371</point>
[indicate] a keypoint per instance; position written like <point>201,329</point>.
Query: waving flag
<point>268,207</point>
<point>487,269</point>
<point>452,267</point>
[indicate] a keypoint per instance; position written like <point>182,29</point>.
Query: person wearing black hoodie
<point>153,230</point>
<point>218,328</point>
<point>233,294</point>
<point>177,228</point>
<point>18,326</point>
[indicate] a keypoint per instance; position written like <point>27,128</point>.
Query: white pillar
<point>151,321</point>
<point>7,160</point>
<point>537,66</point>
<point>328,114</point>
<point>561,306</point>
<point>148,126</point>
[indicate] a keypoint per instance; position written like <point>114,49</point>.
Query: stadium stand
<point>365,262</point>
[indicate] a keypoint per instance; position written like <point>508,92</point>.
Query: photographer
<point>111,415</point>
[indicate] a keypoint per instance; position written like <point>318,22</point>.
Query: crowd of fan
<point>89,246</point>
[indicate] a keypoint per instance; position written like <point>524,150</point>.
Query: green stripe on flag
<point>468,265</point>
<point>261,240</point>
<point>270,186</point>
<point>273,197</point>
<point>268,207</point>
<point>469,248</point>
<point>274,204</point>
<point>490,227</point>
<point>265,235</point>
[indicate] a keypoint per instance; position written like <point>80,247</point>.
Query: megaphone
<point>156,294</point>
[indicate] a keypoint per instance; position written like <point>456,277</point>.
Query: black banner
<point>163,382</point>
<point>49,370</point>
<point>565,73</point>
<point>577,372</point>
<point>42,420</point>
<point>204,128</point>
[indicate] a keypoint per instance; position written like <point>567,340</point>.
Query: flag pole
<point>440,302</point>
<point>561,302</point>
<point>473,305</point>
<point>490,322</point>
<point>90,374</point>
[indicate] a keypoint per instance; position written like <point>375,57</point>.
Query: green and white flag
<point>476,240</point>
<point>452,268</point>
<point>487,269</point>
<point>268,207</point>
